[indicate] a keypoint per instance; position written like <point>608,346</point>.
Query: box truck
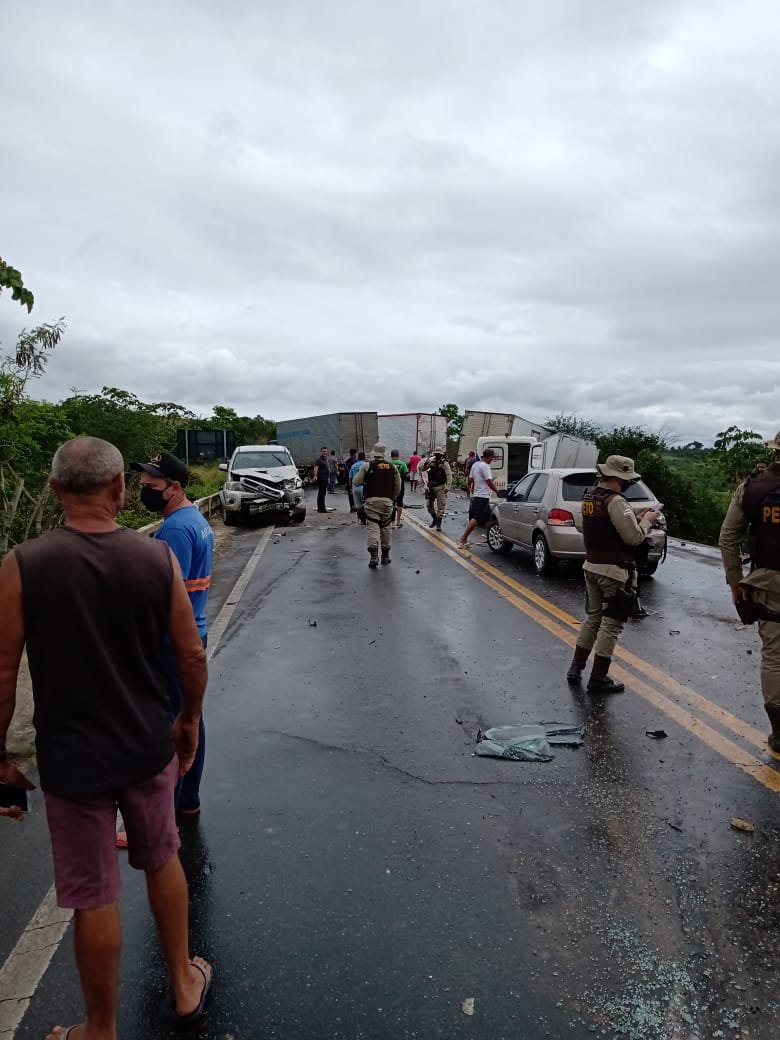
<point>521,445</point>
<point>413,431</point>
<point>337,431</point>
<point>495,424</point>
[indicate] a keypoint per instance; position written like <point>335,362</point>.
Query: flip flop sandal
<point>197,1014</point>
<point>121,843</point>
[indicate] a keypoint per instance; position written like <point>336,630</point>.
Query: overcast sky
<point>301,206</point>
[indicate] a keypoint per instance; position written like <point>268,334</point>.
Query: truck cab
<point>512,458</point>
<point>516,456</point>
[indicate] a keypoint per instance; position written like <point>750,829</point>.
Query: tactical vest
<point>761,506</point>
<point>603,544</point>
<point>437,476</point>
<point>380,480</point>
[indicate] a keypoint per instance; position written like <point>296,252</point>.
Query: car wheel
<point>543,561</point>
<point>496,540</point>
<point>299,517</point>
<point>649,570</point>
<point>231,519</point>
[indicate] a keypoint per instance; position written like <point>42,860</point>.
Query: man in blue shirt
<point>187,532</point>
<point>357,492</point>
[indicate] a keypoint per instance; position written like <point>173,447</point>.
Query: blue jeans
<point>187,793</point>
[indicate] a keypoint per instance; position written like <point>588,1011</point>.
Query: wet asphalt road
<point>358,873</point>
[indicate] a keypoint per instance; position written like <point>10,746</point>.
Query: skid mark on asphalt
<point>27,963</point>
<point>564,627</point>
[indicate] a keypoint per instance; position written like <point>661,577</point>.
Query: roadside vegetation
<point>694,483</point>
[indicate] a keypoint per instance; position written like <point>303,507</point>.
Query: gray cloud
<point>296,207</point>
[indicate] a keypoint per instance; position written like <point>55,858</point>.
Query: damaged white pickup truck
<point>262,479</point>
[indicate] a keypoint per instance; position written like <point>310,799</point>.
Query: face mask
<point>153,499</point>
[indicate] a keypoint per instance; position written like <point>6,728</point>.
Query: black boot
<point>599,681</point>
<point>773,711</point>
<point>374,561</point>
<point>433,522</point>
<point>438,523</point>
<point>580,659</point>
<point>386,555</point>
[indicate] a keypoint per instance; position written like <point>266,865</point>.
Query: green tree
<point>736,453</point>
<point>574,425</point>
<point>246,429</point>
<point>454,422</point>
<point>139,429</point>
<point>11,279</point>
<point>29,431</point>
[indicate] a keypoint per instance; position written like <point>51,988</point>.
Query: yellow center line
<point>561,624</point>
<point>737,726</point>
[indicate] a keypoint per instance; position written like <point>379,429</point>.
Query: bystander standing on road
<point>471,458</point>
<point>188,533</point>
<point>481,487</point>
<point>403,469</point>
<point>320,472</point>
<point>755,509</point>
<point>612,532</point>
<point>357,491</point>
<point>439,475</point>
<point>414,465</point>
<point>333,471</point>
<point>94,603</point>
<point>381,483</point>
<point>349,462</point>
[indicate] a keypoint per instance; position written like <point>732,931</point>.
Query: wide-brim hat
<point>438,451</point>
<point>775,444</point>
<point>619,466</point>
<point>379,451</point>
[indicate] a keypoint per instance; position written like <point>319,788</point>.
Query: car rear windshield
<point>575,486</point>
<point>261,460</point>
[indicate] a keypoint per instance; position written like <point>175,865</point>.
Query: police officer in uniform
<point>439,484</point>
<point>612,533</point>
<point>755,509</point>
<point>381,483</point>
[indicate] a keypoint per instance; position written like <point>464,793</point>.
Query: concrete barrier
<point>208,506</point>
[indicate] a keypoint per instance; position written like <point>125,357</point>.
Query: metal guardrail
<point>208,506</point>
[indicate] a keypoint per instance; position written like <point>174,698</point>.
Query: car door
<point>527,511</point>
<point>508,507</point>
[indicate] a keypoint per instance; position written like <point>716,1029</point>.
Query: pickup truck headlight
<point>232,485</point>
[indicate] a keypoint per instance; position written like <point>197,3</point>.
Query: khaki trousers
<point>764,587</point>
<point>379,512</point>
<point>597,632</point>
<point>437,501</point>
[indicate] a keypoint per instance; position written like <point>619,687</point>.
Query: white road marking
<point>27,963</point>
<point>217,630</point>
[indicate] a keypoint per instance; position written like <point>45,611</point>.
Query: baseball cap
<point>166,466</point>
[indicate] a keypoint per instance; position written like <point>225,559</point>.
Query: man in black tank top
<point>93,602</point>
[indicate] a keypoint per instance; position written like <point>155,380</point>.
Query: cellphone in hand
<point>11,796</point>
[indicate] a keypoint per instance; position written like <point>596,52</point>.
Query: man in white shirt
<point>481,486</point>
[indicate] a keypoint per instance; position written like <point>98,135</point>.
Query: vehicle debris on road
<point>527,743</point>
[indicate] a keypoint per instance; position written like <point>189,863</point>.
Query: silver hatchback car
<point>542,515</point>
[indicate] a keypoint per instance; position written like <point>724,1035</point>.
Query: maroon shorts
<point>83,838</point>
